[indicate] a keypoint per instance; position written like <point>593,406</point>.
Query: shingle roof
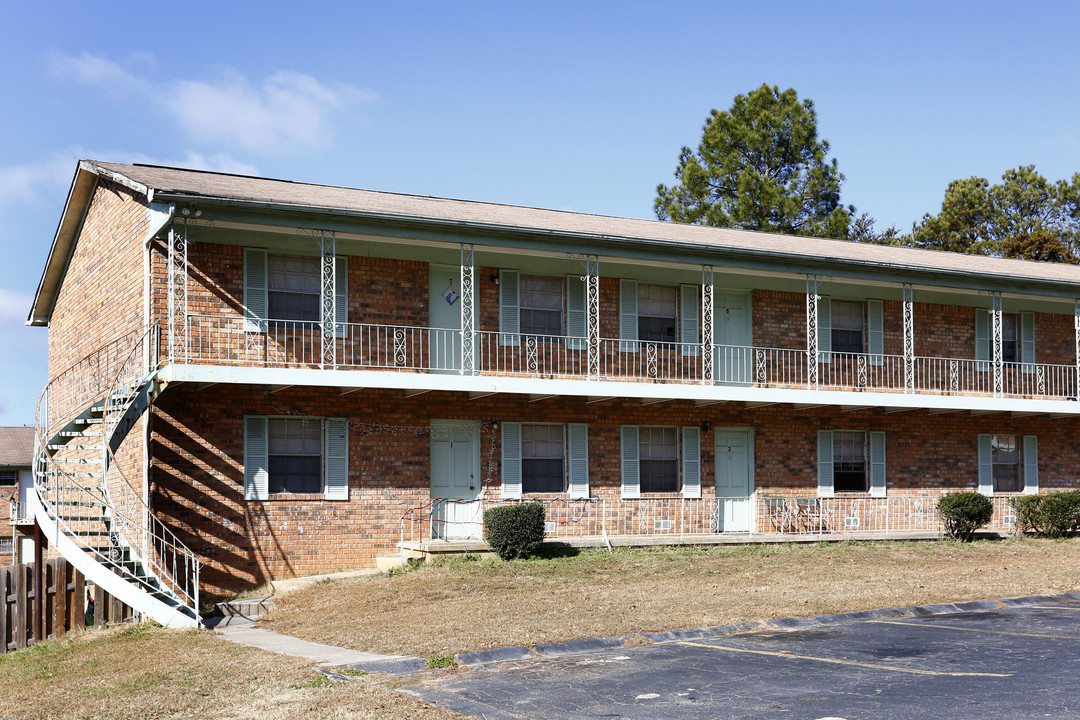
<point>178,182</point>
<point>16,446</point>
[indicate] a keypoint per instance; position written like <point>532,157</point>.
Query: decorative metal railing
<point>238,341</point>
<point>676,517</point>
<point>99,509</point>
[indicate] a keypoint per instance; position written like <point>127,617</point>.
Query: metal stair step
<point>76,461</point>
<point>88,421</point>
<point>44,474</point>
<point>70,446</point>
<point>89,433</point>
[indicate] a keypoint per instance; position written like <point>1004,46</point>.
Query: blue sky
<point>569,105</point>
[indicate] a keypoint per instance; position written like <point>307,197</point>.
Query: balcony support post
<point>592,313</point>
<point>1076,330</point>
<point>177,286</point>
<point>707,369</point>
<point>909,338</point>
<point>468,354</point>
<point>998,356</point>
<point>812,298</point>
<point>328,312</point>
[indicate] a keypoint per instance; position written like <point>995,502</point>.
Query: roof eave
<point>79,195</point>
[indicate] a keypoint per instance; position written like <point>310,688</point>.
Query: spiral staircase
<point>85,503</point>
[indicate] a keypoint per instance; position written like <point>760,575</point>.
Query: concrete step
<point>250,608</point>
<point>386,563</point>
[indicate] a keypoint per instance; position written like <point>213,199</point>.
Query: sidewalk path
<point>245,633</point>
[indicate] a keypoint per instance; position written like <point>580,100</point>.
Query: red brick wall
<point>197,477</point>
<point>779,319</point>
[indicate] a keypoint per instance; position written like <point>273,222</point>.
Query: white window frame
<point>334,458</point>
<point>523,305</point>
<point>565,453</point>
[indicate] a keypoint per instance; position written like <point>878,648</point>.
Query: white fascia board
<point>598,388</point>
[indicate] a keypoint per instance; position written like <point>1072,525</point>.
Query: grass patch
<point>142,671</point>
<point>467,604</point>
<point>439,661</point>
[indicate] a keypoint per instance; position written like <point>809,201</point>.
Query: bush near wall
<point>513,531</point>
<point>1053,515</point>
<point>963,513</point>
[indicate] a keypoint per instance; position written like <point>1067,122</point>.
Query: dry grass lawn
<point>461,605</point>
<point>141,671</point>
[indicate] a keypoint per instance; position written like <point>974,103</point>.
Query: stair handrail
<point>63,485</point>
<point>161,551</point>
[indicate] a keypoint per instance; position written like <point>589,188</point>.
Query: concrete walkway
<point>245,633</point>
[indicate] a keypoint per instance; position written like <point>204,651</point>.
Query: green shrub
<point>1028,513</point>
<point>964,513</point>
<point>513,531</point>
<point>1060,513</point>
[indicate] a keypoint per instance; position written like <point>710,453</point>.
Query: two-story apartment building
<point>300,376</point>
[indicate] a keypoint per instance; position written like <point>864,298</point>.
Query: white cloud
<point>24,183</point>
<point>285,110</point>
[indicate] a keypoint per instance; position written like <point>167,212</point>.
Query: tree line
<point>761,166</point>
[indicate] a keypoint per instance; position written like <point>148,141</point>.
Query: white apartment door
<point>733,361</point>
<point>444,314</point>
<point>455,480</point>
<point>734,455</point>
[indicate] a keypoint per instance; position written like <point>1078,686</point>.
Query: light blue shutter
<point>578,435</point>
<point>511,460</point>
<point>825,463</point>
<point>256,474</point>
<point>824,329</point>
<point>688,319</point>
<point>341,295</point>
<point>1027,341</point>
<point>575,312</point>
<point>875,331</point>
<point>255,301</point>
<point>337,459</point>
<point>631,472</point>
<point>691,462</point>
<point>982,338</point>
<point>1031,465</point>
<point>509,307</point>
<point>986,465</point>
<point>628,314</point>
<point>877,464</point>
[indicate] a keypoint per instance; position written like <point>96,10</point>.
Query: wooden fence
<point>64,608</point>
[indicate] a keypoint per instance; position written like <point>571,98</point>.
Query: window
<point>542,455</point>
<point>658,449</point>
<point>295,455</point>
<point>849,461</point>
<point>657,315</point>
<point>294,287</point>
<point>8,477</point>
<point>1005,457</point>
<point>1010,323</point>
<point>292,455</point>
<point>541,305</point>
<point>847,327</point>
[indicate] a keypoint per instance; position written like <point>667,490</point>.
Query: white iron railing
<point>231,340</point>
<point>81,503</point>
<point>675,517</point>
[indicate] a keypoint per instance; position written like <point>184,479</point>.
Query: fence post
<point>5,590</point>
<point>39,573</point>
<point>20,615</point>
<point>78,606</point>
<point>60,597</point>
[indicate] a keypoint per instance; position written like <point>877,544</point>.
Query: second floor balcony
<point>236,341</point>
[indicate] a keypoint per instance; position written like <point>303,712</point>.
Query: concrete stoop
<point>386,563</point>
<point>251,608</point>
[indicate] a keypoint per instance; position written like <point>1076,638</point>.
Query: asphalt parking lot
<point>1010,662</point>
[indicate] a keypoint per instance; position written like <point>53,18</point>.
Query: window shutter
<point>341,295</point>
<point>575,313</point>
<point>824,329</point>
<point>631,476</point>
<point>875,335</point>
<point>1027,341</point>
<point>337,459</point>
<point>578,435</point>
<point>691,462</point>
<point>256,474</point>
<point>628,314</point>
<point>255,301</point>
<point>511,460</point>
<point>825,463</point>
<point>1031,465</point>
<point>982,338</point>
<point>877,464</point>
<point>688,319</point>
<point>509,307</point>
<point>986,465</point>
